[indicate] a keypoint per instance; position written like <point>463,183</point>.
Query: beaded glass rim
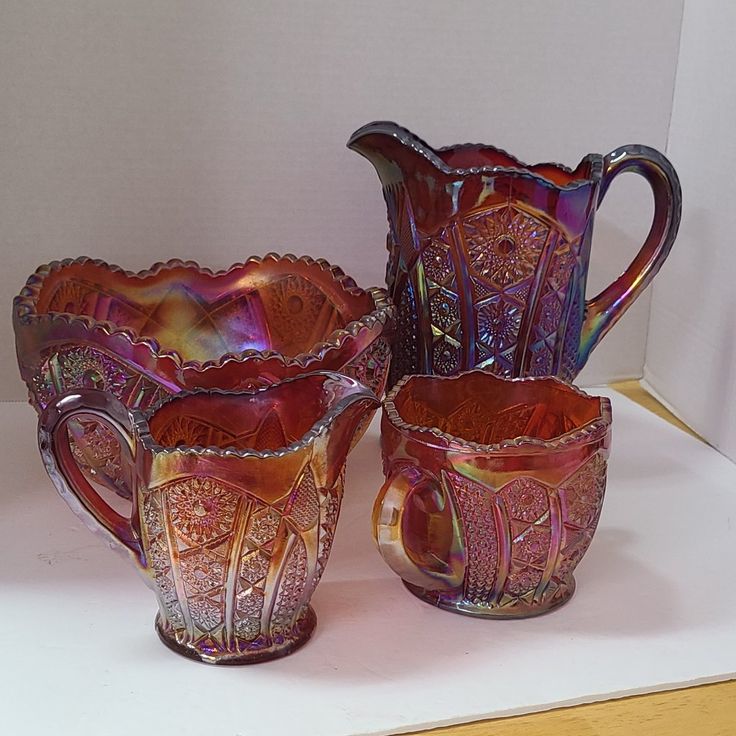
<point>24,308</point>
<point>588,432</point>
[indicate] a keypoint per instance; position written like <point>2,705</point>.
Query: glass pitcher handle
<point>605,309</point>
<point>71,483</point>
<point>406,488</point>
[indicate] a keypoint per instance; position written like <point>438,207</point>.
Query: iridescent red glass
<point>141,336</point>
<point>493,489</point>
<point>488,257</point>
<point>235,498</point>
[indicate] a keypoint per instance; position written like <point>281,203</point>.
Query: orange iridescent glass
<point>141,336</point>
<point>488,256</point>
<point>493,489</point>
<point>234,502</point>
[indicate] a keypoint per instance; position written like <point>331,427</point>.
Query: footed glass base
<point>298,636</point>
<point>516,608</point>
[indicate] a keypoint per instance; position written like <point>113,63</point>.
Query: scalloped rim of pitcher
<point>24,309</point>
<point>141,419</point>
<point>588,432</point>
<point>413,141</point>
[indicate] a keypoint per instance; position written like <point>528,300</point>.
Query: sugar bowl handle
<point>65,473</point>
<point>409,506</point>
<point>604,310</point>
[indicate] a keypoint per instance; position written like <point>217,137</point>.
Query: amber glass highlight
<point>493,489</point>
<point>235,498</point>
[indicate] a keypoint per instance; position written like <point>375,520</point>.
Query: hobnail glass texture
<point>142,336</point>
<point>234,502</point>
<point>488,257</point>
<point>493,489</point>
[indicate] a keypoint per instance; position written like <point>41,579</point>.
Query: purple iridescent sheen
<point>488,257</point>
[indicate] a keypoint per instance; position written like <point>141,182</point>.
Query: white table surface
<point>655,609</point>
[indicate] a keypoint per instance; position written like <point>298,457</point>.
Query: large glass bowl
<point>83,323</point>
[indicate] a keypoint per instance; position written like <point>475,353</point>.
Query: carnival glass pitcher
<point>488,257</point>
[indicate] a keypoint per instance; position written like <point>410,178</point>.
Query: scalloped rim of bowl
<point>141,419</point>
<point>590,431</point>
<point>24,309</point>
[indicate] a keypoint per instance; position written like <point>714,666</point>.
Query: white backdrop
<point>691,354</point>
<point>142,130</point>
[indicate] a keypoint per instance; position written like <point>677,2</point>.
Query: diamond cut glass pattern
<point>201,509</point>
<point>236,500</point>
<point>504,245</point>
<point>489,504</point>
<point>264,525</point>
<point>505,239</point>
<point>202,571</point>
<point>254,566</point>
<point>143,336</point>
